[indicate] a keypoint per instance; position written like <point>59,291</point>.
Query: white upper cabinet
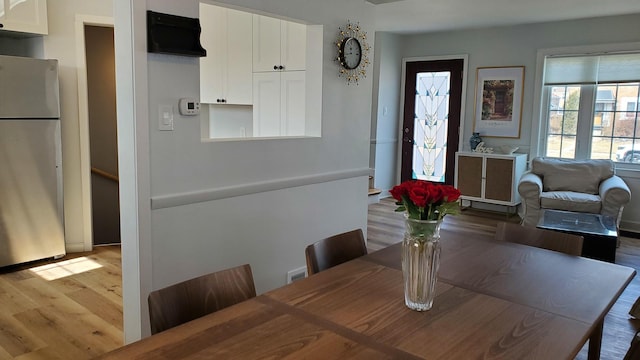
<point>226,74</point>
<point>278,45</point>
<point>26,16</point>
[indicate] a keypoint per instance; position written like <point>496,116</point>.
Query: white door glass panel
<point>430,127</point>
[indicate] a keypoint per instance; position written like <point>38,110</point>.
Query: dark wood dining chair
<point>335,250</point>
<point>194,298</point>
<point>634,350</point>
<point>545,239</point>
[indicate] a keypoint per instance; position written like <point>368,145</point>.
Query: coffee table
<point>599,231</point>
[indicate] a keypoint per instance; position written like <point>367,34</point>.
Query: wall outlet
<point>296,274</point>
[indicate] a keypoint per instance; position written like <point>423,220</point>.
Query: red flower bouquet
<point>423,200</point>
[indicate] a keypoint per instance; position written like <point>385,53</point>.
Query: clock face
<point>351,53</point>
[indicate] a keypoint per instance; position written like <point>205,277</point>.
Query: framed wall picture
<point>498,109</point>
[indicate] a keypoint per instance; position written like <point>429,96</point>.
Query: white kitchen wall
<point>385,114</point>
<point>212,205</point>
<point>60,44</point>
<point>513,46</point>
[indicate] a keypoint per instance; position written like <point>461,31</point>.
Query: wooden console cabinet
<point>490,178</point>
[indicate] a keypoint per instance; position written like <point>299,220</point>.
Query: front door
<point>431,123</point>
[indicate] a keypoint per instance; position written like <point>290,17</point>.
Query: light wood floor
<point>72,308</point>
<point>65,309</point>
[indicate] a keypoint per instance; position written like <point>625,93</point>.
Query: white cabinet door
<point>292,103</point>
<point>278,45</point>
<point>239,58</point>
<point>279,104</point>
<point>293,49</point>
<point>27,16</point>
<point>266,43</point>
<point>226,72</point>
<point>266,104</point>
<point>213,38</point>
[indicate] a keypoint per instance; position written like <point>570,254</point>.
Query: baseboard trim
<point>630,234</point>
<point>75,248</point>
<point>630,227</point>
<point>172,200</point>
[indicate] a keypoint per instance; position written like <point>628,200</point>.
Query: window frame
<point>541,101</point>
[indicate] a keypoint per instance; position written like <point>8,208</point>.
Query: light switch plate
<point>165,117</point>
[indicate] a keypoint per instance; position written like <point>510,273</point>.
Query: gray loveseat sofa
<point>589,186</point>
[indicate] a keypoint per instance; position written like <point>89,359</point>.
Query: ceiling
<point>419,16</point>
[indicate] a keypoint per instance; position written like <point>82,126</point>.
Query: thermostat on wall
<point>189,106</point>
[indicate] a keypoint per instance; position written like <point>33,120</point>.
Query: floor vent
<point>296,274</point>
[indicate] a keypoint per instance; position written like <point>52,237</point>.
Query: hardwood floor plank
<point>47,353</point>
<point>109,288</point>
<point>99,305</point>
<point>12,300</point>
<point>15,338</point>
<point>69,308</point>
<point>47,325</point>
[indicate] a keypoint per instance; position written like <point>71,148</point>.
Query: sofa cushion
<point>582,176</point>
<point>570,201</point>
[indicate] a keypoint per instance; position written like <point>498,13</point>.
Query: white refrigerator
<point>31,226</point>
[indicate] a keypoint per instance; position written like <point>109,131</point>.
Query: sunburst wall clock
<point>353,52</point>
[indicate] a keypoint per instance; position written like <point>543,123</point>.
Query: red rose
<point>437,194</point>
<point>419,195</point>
<point>399,190</point>
<point>451,194</point>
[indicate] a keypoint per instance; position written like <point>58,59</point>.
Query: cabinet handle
<point>280,67</point>
<point>1,26</point>
<point>275,67</point>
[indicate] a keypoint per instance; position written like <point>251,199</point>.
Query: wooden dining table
<point>495,300</point>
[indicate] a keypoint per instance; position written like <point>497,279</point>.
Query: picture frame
<point>498,101</point>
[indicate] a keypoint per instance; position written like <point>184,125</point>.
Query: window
<point>590,104</point>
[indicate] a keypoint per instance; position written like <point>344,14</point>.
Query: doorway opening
<point>98,132</point>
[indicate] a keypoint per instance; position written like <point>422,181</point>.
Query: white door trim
<point>132,103</point>
<point>83,123</point>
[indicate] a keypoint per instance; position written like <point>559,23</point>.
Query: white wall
<point>516,46</point>
<point>385,119</point>
<point>60,44</point>
<point>212,205</point>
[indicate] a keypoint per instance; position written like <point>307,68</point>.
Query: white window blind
<point>592,69</point>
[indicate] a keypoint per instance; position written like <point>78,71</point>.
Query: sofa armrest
<point>530,186</point>
<point>615,194</point>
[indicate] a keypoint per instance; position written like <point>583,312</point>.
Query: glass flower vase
<point>420,262</point>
